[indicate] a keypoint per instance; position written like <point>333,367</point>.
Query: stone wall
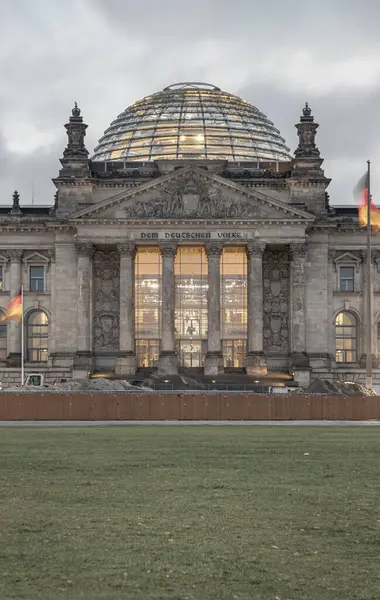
<point>276,301</point>
<point>106,301</point>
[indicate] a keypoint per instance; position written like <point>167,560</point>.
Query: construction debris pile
<point>336,388</point>
<point>81,385</point>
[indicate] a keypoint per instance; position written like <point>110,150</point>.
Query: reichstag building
<point>191,239</point>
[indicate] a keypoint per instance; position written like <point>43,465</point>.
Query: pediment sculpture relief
<point>192,197</point>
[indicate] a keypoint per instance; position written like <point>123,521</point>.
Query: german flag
<point>361,196</point>
<point>14,310</point>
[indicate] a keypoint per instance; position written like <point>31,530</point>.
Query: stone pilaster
<point>214,357</point>
<point>168,360</point>
<point>14,355</point>
<point>299,360</point>
<point>84,356</point>
<point>256,360</point>
<point>366,323</point>
<point>126,361</point>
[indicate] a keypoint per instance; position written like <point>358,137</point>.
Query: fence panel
<point>173,406</point>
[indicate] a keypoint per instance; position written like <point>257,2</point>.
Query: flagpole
<point>22,336</point>
<point>369,286</point>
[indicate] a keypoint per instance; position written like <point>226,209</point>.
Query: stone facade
<point>295,243</point>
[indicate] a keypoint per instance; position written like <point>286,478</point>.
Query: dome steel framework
<point>192,121</point>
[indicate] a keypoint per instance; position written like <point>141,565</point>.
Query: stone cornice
<point>190,222</point>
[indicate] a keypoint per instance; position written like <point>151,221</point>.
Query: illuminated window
<point>36,279</point>
<point>191,317</point>
<point>37,336</point>
<point>3,339</point>
<point>148,299</point>
<point>346,279</point>
<point>234,306</point>
<point>345,338</point>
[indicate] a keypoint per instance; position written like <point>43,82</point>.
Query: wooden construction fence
<point>177,406</point>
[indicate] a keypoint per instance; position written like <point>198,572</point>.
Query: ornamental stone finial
<point>76,111</point>
<point>16,210</point>
<point>306,111</point>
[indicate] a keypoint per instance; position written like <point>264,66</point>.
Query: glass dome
<point>192,121</point>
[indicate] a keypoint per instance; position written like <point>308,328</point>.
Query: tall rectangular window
<point>36,279</point>
<point>234,326</point>
<point>191,316</point>
<point>346,279</point>
<point>148,299</point>
<point>1,279</point>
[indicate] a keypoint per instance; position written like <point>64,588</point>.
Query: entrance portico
<point>198,306</point>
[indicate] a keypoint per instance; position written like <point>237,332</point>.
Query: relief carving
<point>276,301</point>
<point>106,300</point>
<point>192,197</point>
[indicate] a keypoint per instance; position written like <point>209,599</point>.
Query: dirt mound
<point>339,388</point>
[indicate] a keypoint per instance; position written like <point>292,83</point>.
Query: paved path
<point>188,423</point>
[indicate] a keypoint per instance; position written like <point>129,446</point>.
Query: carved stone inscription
<point>106,300</point>
<point>276,301</point>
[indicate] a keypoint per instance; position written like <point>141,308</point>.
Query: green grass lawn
<point>204,513</point>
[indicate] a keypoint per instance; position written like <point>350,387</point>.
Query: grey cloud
<point>108,53</point>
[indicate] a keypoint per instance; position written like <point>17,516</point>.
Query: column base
<point>83,365</point>
<point>125,363</point>
<point>13,359</point>
<point>319,361</point>
<point>363,361</point>
<point>257,365</point>
<point>213,363</point>
<point>302,376</point>
<point>299,360</point>
<point>300,368</point>
<point>168,362</point>
<point>62,359</point>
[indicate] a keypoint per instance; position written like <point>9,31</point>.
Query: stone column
<point>256,360</point>
<point>214,357</point>
<point>126,361</point>
<point>366,323</point>
<point>168,360</point>
<point>84,356</point>
<point>14,353</point>
<point>299,359</point>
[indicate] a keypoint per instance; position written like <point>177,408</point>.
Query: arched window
<point>345,338</point>
<point>3,339</point>
<point>37,336</point>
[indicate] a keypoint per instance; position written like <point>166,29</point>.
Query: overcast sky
<point>105,54</point>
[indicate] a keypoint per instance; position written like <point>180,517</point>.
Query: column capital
<point>84,248</point>
<point>168,249</point>
<point>127,249</point>
<point>255,249</point>
<point>213,249</point>
<point>15,254</point>
<point>298,251</point>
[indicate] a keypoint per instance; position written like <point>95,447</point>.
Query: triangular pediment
<point>192,193</point>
